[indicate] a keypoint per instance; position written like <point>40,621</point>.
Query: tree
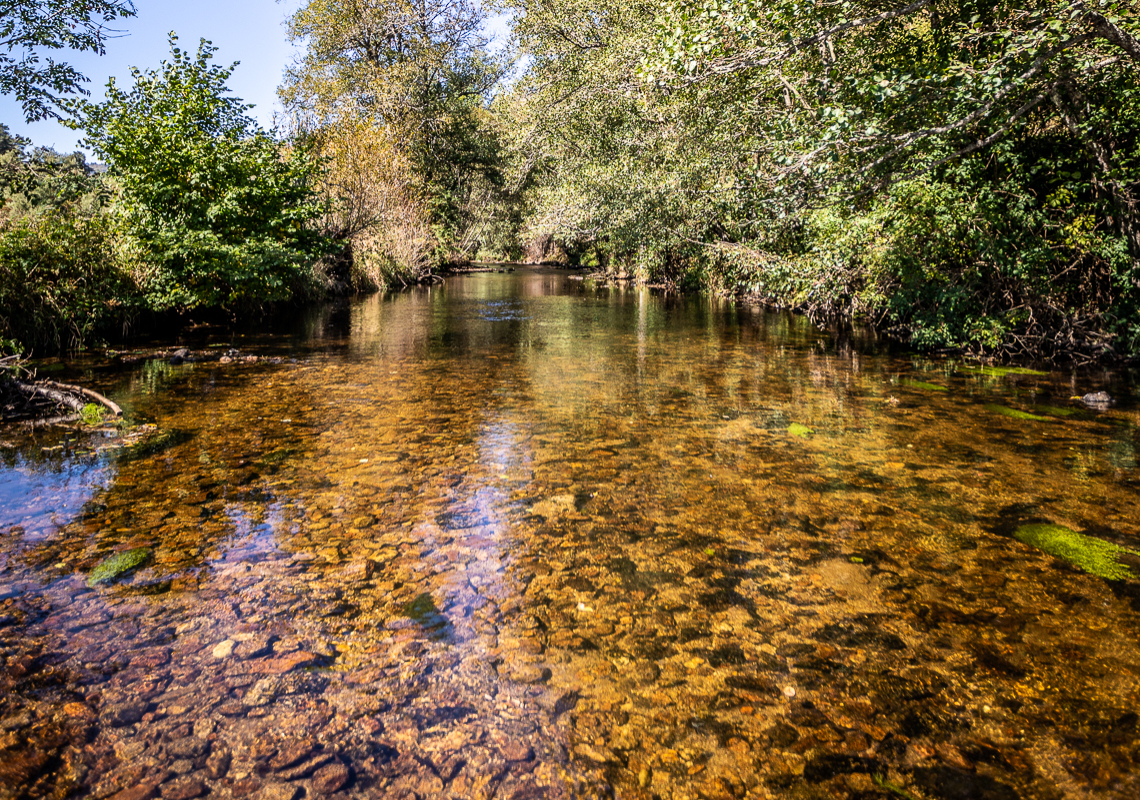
<point>29,27</point>
<point>415,76</point>
<point>632,176</point>
<point>963,173</point>
<point>219,211</point>
<point>878,92</point>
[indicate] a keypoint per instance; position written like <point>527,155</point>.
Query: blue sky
<point>249,31</point>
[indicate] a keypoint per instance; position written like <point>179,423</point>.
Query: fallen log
<point>88,393</point>
<point>40,400</point>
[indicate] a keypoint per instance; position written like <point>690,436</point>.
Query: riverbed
<point>526,536</point>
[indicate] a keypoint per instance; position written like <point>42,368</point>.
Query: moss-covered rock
<point>802,431</point>
<point>1090,554</point>
<point>118,565</point>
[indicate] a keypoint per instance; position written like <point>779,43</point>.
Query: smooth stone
<point>224,649</point>
<point>529,673</point>
<point>279,791</point>
<point>292,754</point>
<point>183,789</point>
<point>330,779</point>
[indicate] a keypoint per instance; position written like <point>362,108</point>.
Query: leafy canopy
<point>415,76</point>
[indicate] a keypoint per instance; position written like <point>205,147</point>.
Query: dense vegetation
<point>199,209</point>
<point>965,175</point>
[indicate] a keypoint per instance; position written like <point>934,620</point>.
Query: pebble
<point>121,714</point>
<point>279,791</point>
<point>292,754</point>
<point>141,792</point>
<point>254,647</point>
<point>517,751</point>
<point>224,649</point>
<point>529,673</point>
<point>218,764</point>
<point>305,768</point>
<point>183,789</point>
<point>331,778</point>
<point>244,787</point>
<point>189,747</point>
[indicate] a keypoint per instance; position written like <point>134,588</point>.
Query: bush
<point>60,280</point>
<point>219,211</point>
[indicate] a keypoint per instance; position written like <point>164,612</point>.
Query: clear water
<point>524,536</point>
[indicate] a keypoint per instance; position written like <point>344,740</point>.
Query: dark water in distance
<point>522,536</point>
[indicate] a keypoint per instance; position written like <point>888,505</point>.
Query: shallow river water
<point>521,536</point>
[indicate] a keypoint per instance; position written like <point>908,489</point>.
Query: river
<point>524,536</point>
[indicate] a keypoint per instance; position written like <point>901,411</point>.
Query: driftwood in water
<point>45,400</point>
<point>91,396</point>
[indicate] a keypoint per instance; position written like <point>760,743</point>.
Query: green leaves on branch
<point>29,28</point>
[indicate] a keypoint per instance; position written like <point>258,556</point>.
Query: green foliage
<point>419,77</point>
<point>216,209</point>
<point>42,181</point>
<point>92,414</point>
<point>60,279</point>
<point>29,27</point>
<point>962,176</point>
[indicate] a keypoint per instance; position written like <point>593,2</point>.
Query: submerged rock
<point>118,565</point>
<point>1098,400</point>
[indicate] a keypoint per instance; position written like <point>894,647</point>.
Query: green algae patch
<point>1005,411</point>
<point>1057,411</point>
<point>92,414</point>
<point>999,372</point>
<point>1094,556</point>
<point>802,431</point>
<point>426,614</point>
<point>118,565</point>
<point>926,387</point>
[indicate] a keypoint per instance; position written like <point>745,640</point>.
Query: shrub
<point>61,280</point>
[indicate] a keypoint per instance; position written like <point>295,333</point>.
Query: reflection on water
<point>46,484</point>
<point>521,536</point>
